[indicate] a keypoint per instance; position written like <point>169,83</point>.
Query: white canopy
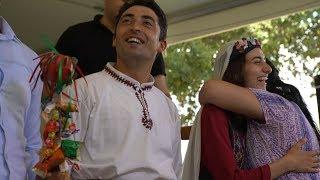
<point>188,19</point>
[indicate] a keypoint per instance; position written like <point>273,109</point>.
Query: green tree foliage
<point>189,64</point>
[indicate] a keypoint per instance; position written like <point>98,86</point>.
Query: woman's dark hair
<point>235,74</point>
<point>235,71</point>
<point>290,92</point>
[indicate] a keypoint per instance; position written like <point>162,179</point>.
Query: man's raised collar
<point>6,31</point>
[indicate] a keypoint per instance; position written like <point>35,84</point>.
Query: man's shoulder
<point>85,26</point>
<point>162,94</point>
<point>80,27</point>
<point>18,53</point>
<point>170,104</point>
<point>93,78</point>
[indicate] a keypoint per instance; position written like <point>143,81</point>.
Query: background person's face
<point>256,69</point>
<point>112,8</point>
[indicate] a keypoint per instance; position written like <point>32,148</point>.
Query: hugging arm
<point>231,97</point>
<point>219,160</point>
<point>296,160</point>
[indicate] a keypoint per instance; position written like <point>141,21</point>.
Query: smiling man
<point>91,43</point>
<point>129,128</point>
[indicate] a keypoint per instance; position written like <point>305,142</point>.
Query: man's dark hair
<point>162,19</point>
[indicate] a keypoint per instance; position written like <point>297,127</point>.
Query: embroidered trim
<point>238,145</point>
<point>139,92</point>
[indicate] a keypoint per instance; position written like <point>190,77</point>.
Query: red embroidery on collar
<point>139,92</point>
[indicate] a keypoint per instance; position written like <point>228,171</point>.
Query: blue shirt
<point>20,138</point>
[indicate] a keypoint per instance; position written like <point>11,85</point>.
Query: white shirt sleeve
<point>84,104</point>
<point>177,162</point>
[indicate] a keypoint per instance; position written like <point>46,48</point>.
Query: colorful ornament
<point>57,71</point>
<point>70,148</point>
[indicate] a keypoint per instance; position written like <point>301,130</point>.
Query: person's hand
<point>302,161</point>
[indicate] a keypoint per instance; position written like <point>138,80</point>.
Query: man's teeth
<point>262,79</point>
<point>134,40</point>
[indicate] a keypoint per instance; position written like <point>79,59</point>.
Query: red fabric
<point>216,150</point>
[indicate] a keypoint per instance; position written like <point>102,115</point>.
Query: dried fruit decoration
<point>57,71</point>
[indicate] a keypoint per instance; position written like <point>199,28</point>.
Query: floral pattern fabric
<point>284,125</point>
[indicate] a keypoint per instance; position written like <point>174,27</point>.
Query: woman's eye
<point>257,61</point>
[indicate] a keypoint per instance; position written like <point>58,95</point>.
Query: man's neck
<point>136,70</point>
<point>107,23</point>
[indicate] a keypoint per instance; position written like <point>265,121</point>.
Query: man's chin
<point>134,55</point>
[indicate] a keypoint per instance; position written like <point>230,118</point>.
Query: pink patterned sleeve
<point>276,109</point>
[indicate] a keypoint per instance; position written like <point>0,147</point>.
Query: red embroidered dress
<point>220,158</point>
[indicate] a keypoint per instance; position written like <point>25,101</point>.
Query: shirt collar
<point>120,74</point>
<point>6,32</point>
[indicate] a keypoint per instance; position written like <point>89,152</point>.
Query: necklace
<point>139,92</point>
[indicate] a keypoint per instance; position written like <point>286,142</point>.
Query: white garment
<point>191,166</point>
<point>115,143</point>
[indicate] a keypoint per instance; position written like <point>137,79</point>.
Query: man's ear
<point>162,46</point>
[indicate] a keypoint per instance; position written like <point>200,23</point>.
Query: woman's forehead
<point>254,52</point>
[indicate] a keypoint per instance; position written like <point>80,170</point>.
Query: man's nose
<point>136,26</point>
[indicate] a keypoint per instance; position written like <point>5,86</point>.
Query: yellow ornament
<point>52,135</point>
<point>55,115</point>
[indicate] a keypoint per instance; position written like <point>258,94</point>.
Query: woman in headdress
<point>259,134</point>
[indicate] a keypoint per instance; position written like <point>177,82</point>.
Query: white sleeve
<point>176,128</point>
<point>84,104</point>
<point>177,163</point>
